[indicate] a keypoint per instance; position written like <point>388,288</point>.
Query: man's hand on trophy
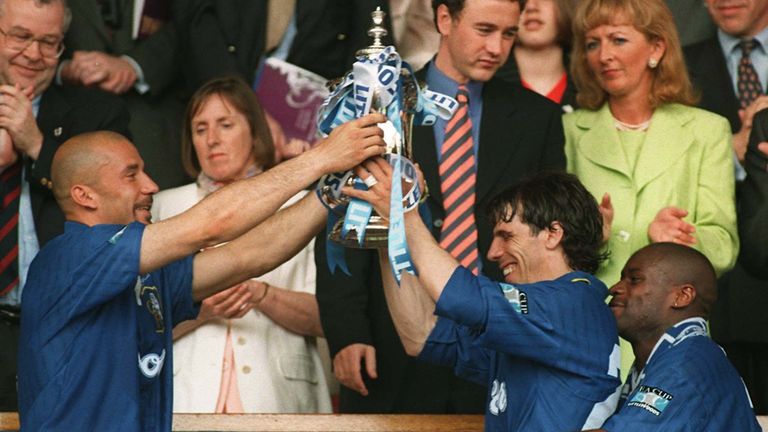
<point>376,173</point>
<point>351,143</point>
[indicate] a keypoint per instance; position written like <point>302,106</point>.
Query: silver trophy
<point>398,139</point>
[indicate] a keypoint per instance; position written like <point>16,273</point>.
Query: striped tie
<point>10,187</point>
<point>749,87</point>
<point>457,183</point>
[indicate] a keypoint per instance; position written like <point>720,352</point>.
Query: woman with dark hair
<point>252,347</point>
<point>662,169</point>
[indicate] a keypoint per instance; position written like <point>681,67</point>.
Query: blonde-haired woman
<point>661,169</point>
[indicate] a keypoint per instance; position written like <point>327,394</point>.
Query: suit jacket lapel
<point>53,109</point>
<point>497,144</point>
<point>600,142</point>
<point>425,153</point>
<point>665,142</point>
<point>715,83</point>
<point>726,94</point>
<point>425,150</point>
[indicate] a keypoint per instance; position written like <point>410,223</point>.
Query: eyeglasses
<point>50,46</point>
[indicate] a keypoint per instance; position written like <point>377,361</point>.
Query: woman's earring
<point>652,63</point>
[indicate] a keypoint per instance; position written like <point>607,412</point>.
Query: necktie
<point>10,189</point>
<point>749,86</point>
<point>457,183</point>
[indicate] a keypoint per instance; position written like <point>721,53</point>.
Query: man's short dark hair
<point>551,197</point>
<point>456,6</point>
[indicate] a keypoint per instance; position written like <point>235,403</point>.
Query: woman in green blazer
<point>662,169</point>
<point>666,166</point>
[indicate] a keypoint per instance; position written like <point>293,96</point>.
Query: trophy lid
<point>377,31</point>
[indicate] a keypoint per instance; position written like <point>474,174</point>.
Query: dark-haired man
<point>543,340</point>
<point>681,379</point>
<point>507,132</point>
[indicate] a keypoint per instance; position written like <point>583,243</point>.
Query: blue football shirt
<point>547,351</point>
<point>688,384</point>
<point>95,350</point>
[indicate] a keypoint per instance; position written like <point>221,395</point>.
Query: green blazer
<point>685,161</point>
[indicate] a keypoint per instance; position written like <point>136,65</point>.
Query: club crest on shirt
<point>151,364</point>
<point>515,297</point>
<point>651,399</point>
<point>150,297</point>
<point>498,402</point>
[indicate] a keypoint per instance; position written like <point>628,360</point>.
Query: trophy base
<point>376,234</point>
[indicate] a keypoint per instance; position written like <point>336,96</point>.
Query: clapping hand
<point>18,121</point>
<point>669,226</point>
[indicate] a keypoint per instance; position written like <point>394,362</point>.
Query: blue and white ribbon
<point>357,215</point>
<point>379,79</point>
<point>397,247</point>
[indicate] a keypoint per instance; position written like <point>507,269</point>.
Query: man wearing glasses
<point>35,118</point>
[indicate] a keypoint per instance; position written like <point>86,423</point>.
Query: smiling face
<point>476,42</point>
<point>641,298</point>
<point>538,24</point>
<point>618,57</point>
<point>124,190</point>
<point>739,18</point>
<point>28,68</point>
<point>519,253</point>
<point>223,140</point>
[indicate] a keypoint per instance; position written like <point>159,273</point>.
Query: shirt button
<point>246,369</point>
<point>231,48</point>
<point>241,340</point>
<point>438,223</point>
<point>624,236</point>
<point>341,36</point>
<point>44,181</point>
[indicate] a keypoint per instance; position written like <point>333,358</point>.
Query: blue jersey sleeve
<point>177,280</point>
<point>545,321</point>
<point>107,271</point>
<point>456,347</point>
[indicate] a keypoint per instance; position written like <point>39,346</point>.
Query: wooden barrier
<point>316,422</point>
<point>308,422</point>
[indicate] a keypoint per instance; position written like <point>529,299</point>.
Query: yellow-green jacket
<point>685,161</point>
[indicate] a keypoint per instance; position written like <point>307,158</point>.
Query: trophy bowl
<point>398,141</point>
<point>378,82</point>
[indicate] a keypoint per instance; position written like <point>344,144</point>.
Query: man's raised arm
<point>235,209</point>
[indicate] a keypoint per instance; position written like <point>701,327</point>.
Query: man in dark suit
<point>713,64</point>
<point>515,132</point>
<point>35,118</point>
<point>753,201</point>
<point>738,319</point>
<point>137,60</point>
